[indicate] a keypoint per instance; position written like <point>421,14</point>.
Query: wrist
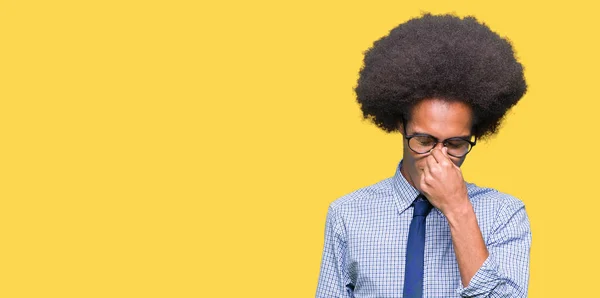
<point>460,213</point>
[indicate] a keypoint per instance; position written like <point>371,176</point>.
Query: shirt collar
<point>404,193</point>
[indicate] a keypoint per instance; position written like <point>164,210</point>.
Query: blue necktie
<point>415,249</point>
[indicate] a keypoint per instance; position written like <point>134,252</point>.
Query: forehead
<point>441,118</point>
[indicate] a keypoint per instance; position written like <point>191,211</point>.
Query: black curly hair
<point>445,57</point>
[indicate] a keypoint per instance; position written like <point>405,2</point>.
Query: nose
<point>439,145</point>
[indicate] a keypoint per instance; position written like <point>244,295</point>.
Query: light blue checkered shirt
<point>367,230</point>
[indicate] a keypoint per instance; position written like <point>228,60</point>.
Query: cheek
<point>419,159</point>
<point>420,162</point>
<point>458,161</point>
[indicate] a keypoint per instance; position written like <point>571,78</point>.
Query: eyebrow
<point>426,134</point>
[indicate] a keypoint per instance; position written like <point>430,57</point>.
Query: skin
<point>438,176</point>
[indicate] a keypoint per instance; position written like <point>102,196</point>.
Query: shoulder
<point>379,192</point>
<point>492,197</point>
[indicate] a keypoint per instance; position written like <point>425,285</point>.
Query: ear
<point>401,127</point>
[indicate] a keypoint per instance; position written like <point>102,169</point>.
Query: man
<point>444,83</point>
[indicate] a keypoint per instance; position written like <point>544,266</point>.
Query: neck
<point>404,172</point>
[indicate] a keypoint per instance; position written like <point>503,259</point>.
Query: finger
<point>439,155</point>
<point>448,158</point>
<point>428,171</point>
<point>422,183</point>
<point>431,163</point>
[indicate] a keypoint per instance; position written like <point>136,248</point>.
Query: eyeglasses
<point>424,143</point>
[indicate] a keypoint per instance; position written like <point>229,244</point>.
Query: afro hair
<point>445,57</point>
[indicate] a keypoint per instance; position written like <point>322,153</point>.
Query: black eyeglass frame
<point>444,142</point>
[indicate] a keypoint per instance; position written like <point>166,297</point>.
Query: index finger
<point>439,155</point>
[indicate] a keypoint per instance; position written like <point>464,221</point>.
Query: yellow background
<point>189,149</point>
